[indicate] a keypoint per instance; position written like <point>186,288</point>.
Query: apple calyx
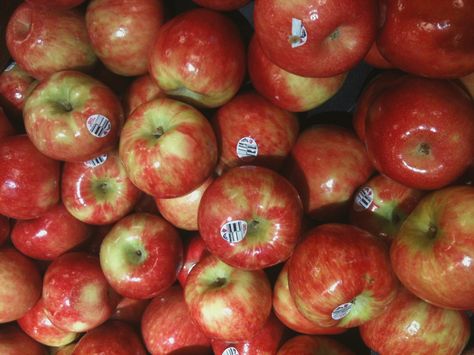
<point>103,189</point>
<point>424,149</point>
<point>136,253</point>
<point>159,131</point>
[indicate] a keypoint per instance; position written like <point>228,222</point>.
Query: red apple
<point>434,40</point>
<point>222,5</point>
<point>98,191</point>
<point>317,39</point>
<point>194,250</point>
<point>76,294</point>
<point>376,59</point>
<point>63,350</point>
<point>327,164</point>
<point>141,255</point>
<point>168,148</point>
<point>227,303</point>
<point>73,117</point>
<point>130,310</point>
<point>141,90</point>
<point>56,4</point>
<point>13,341</point>
<point>29,180</point>
<point>168,328</point>
<point>420,132</point>
<point>199,57</point>
<point>43,41</point>
<point>433,252</point>
<point>291,92</point>
<point>340,275</point>
<point>411,326</point>
<point>122,33</point>
<point>147,204</point>
<point>313,345</point>
<point>6,128</point>
<point>50,235</point>
<point>250,217</point>
<point>252,130</point>
<point>4,229</point>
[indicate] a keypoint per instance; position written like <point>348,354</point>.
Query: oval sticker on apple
<point>363,199</point>
<point>298,36</point>
<point>246,147</point>
<point>234,231</point>
<point>93,163</point>
<point>10,66</point>
<point>230,351</point>
<point>98,125</point>
<point>341,311</point>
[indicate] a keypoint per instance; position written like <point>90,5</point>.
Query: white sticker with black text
<point>230,351</point>
<point>246,147</point>
<point>364,199</point>
<point>98,125</point>
<point>342,311</point>
<point>10,66</point>
<point>93,163</point>
<point>234,231</point>
<point>299,36</point>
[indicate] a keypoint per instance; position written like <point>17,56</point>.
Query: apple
<point>168,148</point>
<point>146,203</point>
<point>340,275</point>
<point>141,255</point>
<point>20,285</point>
<point>63,350</point>
<point>122,33</point>
<point>194,250</point>
<point>316,39</point>
<point>420,132</point>
<point>73,117</point>
<point>411,326</point>
<point>44,41</point>
<point>13,341</point>
<point>286,90</point>
<point>313,345</point>
<point>376,59</point>
<point>222,5</point>
<point>327,165</point>
<point>56,4</point>
<point>432,253</point>
<point>168,328</point>
<point>199,57</point>
<point>250,217</point>
<point>6,128</point>
<point>38,326</point>
<point>130,310</point>
<point>111,338</point>
<point>29,180</point>
<point>76,294</point>
<point>4,229</point>
<point>227,303</point>
<point>98,191</point>
<point>141,90</point>
<point>381,205</point>
<point>422,39</point>
<point>252,130</point>
<point>468,82</point>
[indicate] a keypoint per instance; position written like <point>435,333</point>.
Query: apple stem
<point>334,35</point>
<point>158,132</point>
<point>66,106</point>
<point>219,282</point>
<point>432,232</point>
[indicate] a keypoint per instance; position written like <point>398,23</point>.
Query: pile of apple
<point>164,190</point>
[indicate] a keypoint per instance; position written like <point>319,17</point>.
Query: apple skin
<point>55,4</point>
<point>286,90</point>
<point>167,326</point>
<point>44,41</point>
<point>50,235</point>
<point>222,5</point>
<point>168,148</point>
<point>4,229</point>
<point>20,283</point>
<point>199,57</point>
<point>76,294</point>
<point>437,241</point>
<point>141,255</point>
<point>29,179</point>
<point>37,325</point>
<point>420,132</point>
<point>141,90</point>
<point>410,325</point>
<point>433,41</point>
<point>320,280</point>
<point>59,117</point>
<point>194,250</point>
<point>313,345</point>
<point>122,35</point>
<point>227,303</point>
<point>100,194</point>
<point>130,310</point>
<point>339,34</point>
<point>250,115</point>
<point>6,128</point>
<point>376,59</point>
<point>468,82</point>
<point>326,189</point>
<point>13,341</point>
<point>266,202</point>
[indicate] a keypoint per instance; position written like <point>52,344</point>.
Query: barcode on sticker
<point>234,231</point>
<point>364,199</point>
<point>341,311</point>
<point>10,66</point>
<point>230,351</point>
<point>299,36</point>
<point>247,147</point>
<point>96,161</point>
<point>98,125</point>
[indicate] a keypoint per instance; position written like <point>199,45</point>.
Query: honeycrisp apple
<point>222,5</point>
<point>130,310</point>
<point>6,128</point>
<point>56,4</point>
<point>15,342</point>
<point>194,250</point>
<point>141,90</point>
<point>313,345</point>
<point>4,229</point>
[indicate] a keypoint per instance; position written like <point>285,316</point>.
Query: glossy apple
<point>147,204</point>
<point>141,90</point>
<point>122,33</point>
<point>327,165</point>
<point>73,117</point>
<point>29,179</point>
<point>420,132</point>
<point>252,130</point>
<point>141,255</point>
<point>56,4</point>
<point>130,310</point>
<point>50,235</point>
<point>167,326</point>
<point>376,59</point>
<point>43,41</point>
<point>63,350</point>
<point>222,5</point>
<point>291,92</point>
<point>410,325</point>
<point>168,148</point>
<point>6,128</point>
<point>320,39</point>
<point>340,275</point>
<point>313,345</point>
<point>194,250</point>
<point>199,57</point>
<point>250,217</point>
<point>76,294</point>
<point>13,341</point>
<point>4,229</point>
<point>227,303</point>
<point>98,191</point>
<point>434,41</point>
<point>435,246</point>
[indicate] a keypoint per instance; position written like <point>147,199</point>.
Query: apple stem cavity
<point>158,132</point>
<point>334,35</point>
<point>424,149</point>
<point>219,282</point>
<point>432,232</point>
